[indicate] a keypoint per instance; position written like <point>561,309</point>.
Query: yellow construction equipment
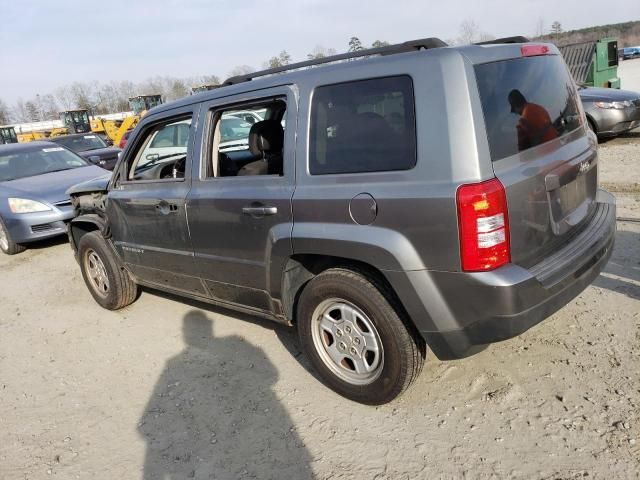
<point>8,135</point>
<point>75,121</point>
<point>115,129</point>
<point>141,103</point>
<point>203,88</point>
<point>78,121</point>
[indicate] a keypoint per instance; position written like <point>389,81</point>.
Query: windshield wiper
<point>56,170</point>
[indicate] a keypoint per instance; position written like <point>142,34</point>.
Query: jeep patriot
<point>385,202</point>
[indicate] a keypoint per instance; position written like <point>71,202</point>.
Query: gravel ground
<point>629,73</point>
<point>167,389</point>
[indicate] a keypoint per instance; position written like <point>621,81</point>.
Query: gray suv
<point>420,196</point>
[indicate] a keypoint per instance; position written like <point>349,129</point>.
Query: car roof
<point>73,135</point>
<point>12,148</point>
<point>496,50</point>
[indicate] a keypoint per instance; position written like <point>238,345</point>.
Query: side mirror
<point>95,159</point>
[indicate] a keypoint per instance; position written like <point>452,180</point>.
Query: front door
<point>239,207</point>
<point>150,200</point>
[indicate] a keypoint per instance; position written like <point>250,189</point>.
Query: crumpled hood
<point>98,184</point>
<point>50,187</point>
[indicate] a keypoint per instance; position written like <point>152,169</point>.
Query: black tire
<point>7,245</point>
<point>403,349</point>
<point>121,289</point>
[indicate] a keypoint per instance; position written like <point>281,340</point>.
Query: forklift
<point>8,135</point>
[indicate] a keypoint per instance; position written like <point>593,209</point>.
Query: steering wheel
<point>176,170</point>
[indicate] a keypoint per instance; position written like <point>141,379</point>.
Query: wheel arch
<point>300,269</point>
<point>84,224</point>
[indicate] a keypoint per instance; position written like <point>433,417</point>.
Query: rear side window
<point>363,126</point>
<point>526,102</point>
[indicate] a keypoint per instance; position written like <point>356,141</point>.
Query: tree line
<point>102,98</point>
<point>627,33</point>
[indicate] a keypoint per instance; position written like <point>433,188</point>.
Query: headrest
<point>266,136</point>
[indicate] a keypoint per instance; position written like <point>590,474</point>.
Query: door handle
<point>166,208</point>
<point>261,211</point>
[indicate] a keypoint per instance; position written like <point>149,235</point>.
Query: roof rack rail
<point>412,45</point>
<point>516,39</point>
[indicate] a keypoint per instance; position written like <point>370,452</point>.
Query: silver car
<point>33,180</point>
<point>610,112</point>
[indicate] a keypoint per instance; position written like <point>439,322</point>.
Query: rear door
<point>240,217</point>
<point>540,151</point>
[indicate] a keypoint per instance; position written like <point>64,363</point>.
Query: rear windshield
<point>526,102</point>
<point>82,143</point>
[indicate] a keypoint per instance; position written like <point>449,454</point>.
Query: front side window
<point>163,152</point>
<point>248,140</point>
<point>363,126</point>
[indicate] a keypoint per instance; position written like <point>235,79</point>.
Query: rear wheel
<point>354,336</point>
<point>7,245</point>
<point>109,283</point>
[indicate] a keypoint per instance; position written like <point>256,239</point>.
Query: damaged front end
<point>89,202</point>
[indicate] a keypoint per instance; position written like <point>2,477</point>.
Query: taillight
<point>483,226</point>
<point>533,50</point>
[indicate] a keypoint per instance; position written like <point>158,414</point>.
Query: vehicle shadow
<point>622,273</point>
<point>213,413</point>
<point>286,334</point>
<point>47,243</point>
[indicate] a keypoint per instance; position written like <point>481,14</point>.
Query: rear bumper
<point>30,227</point>
<point>470,310</point>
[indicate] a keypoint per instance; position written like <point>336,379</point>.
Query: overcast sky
<point>47,44</point>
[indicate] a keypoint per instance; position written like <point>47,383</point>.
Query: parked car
<point>124,139</point>
<point>33,202</point>
<point>630,52</point>
<point>234,130</point>
<point>91,147</point>
<point>418,197</point>
<point>610,112</point>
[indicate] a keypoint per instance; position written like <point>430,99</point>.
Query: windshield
<point>82,144</point>
<point>526,102</point>
<point>233,128</point>
<point>37,162</point>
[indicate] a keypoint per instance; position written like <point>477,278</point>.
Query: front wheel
<point>354,336</point>
<point>109,283</point>
<point>7,245</point>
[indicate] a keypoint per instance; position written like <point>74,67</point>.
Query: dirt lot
<point>165,389</point>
